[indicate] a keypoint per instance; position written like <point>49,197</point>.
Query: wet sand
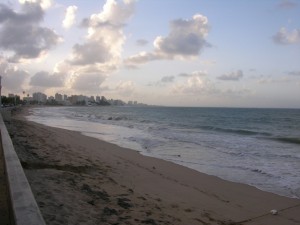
<point>82,180</point>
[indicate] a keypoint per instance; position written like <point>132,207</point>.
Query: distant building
<point>39,97</point>
<point>92,99</point>
<point>135,102</point>
<point>11,95</point>
<point>65,97</point>
<point>78,99</point>
<point>129,102</point>
<point>58,97</point>
<point>98,99</point>
<point>116,102</point>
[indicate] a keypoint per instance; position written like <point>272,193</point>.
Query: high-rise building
<point>97,98</point>
<point>39,97</point>
<point>58,97</point>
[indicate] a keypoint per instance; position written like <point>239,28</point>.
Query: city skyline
<point>67,100</point>
<point>174,53</point>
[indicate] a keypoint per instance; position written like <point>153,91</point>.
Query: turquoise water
<point>259,147</point>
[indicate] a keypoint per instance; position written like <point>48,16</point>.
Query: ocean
<point>259,147</point>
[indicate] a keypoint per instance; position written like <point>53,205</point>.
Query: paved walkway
<point>4,207</point>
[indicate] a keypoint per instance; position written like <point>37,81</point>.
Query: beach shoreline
<point>82,180</point>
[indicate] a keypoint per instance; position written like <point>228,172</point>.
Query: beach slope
<point>82,180</point>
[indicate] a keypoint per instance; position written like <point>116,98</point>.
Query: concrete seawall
<point>24,208</point>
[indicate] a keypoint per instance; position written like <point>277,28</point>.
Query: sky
<point>199,53</point>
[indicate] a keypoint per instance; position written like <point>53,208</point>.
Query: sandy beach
<point>82,180</point>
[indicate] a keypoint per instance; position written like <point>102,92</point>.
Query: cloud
<point>234,76</point>
<point>90,53</point>
<point>89,82</point>
<point>294,73</point>
<point>163,81</point>
<point>141,42</point>
<point>167,79</point>
<point>285,37</point>
<point>194,85</point>
<point>195,73</point>
<point>44,79</point>
<point>113,14</point>
<point>185,40</point>
<point>125,88</point>
<point>275,80</point>
<point>100,54</point>
<point>13,78</point>
<point>140,58</point>
<point>21,33</point>
<point>286,4</point>
<point>45,4</point>
<point>70,15</point>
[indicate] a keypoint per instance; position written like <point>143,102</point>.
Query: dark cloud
<point>167,79</point>
<point>234,76</point>
<point>195,73</point>
<point>12,77</point>
<point>294,73</point>
<point>163,81</point>
<point>286,4</point>
<point>184,75</point>
<point>185,40</point>
<point>90,53</point>
<point>44,79</point>
<point>88,82</point>
<point>21,33</point>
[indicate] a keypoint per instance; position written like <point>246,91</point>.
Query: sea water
<point>259,147</point>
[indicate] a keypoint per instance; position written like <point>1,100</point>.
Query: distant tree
<point>9,101</point>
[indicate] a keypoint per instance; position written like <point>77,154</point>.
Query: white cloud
<point>285,37</point>
<point>21,34</point>
<point>234,76</point>
<point>185,40</point>
<point>194,85</point>
<point>100,54</point>
<point>70,16</point>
